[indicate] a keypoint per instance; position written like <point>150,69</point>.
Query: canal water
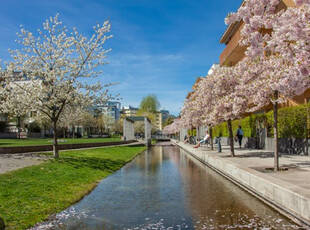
<point>165,188</point>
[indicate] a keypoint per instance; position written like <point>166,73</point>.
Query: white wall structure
<point>183,132</point>
<point>201,132</point>
<point>129,129</point>
<point>147,133</point>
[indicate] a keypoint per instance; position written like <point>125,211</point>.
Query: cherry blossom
<point>53,68</point>
<point>276,66</point>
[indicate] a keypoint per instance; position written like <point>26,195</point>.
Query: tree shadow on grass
<point>93,163</point>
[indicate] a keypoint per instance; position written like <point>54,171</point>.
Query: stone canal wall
<point>290,200</point>
<point>42,148</point>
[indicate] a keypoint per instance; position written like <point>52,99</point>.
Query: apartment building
<point>129,111</point>
<point>158,121</point>
<point>234,53</point>
<point>110,110</point>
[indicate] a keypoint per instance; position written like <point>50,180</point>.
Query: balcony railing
<point>231,47</point>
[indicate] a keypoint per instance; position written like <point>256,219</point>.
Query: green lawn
<point>27,142</point>
<point>32,194</point>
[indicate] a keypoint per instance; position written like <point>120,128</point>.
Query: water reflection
<point>164,188</point>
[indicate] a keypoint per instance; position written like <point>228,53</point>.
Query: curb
<point>43,148</point>
<point>293,205</point>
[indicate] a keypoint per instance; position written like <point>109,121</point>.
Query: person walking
<point>205,139</point>
<point>240,135</point>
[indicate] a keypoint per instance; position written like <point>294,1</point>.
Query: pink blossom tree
<point>277,57</point>
<point>229,103</point>
<point>198,107</point>
<point>173,128</point>
<point>216,99</point>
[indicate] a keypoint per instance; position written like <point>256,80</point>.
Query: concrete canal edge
<point>286,198</point>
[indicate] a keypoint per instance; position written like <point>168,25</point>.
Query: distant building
<point>110,110</point>
<point>160,116</point>
<point>159,121</point>
<point>165,114</point>
<point>129,111</point>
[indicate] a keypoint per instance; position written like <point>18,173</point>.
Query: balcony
<point>233,52</point>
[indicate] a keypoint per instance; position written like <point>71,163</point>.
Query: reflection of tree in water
<point>152,190</point>
<point>152,161</point>
<point>164,188</point>
<point>217,203</point>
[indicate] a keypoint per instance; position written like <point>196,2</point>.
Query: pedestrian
<point>185,139</point>
<point>205,139</point>
<point>240,135</point>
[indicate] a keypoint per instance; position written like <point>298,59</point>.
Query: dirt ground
<point>10,162</point>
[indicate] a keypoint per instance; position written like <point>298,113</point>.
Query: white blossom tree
<point>2,95</point>
<point>53,69</point>
<point>89,123</point>
<point>71,116</point>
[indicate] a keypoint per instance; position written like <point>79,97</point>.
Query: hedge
<point>192,132</point>
<point>292,123</point>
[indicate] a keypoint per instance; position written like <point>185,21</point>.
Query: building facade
<point>160,116</point>
<point>129,111</point>
<point>234,53</point>
<point>158,121</point>
<point>110,112</point>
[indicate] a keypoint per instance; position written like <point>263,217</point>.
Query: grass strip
<point>49,141</point>
<point>32,194</point>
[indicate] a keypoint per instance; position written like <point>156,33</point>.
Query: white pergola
<point>129,129</point>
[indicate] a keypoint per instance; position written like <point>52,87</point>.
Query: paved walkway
<point>298,167</point>
<point>253,164</point>
<point>10,162</point>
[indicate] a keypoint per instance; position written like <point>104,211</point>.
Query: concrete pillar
<point>198,132</point>
<point>129,129</point>
<point>147,132</point>
<point>183,132</point>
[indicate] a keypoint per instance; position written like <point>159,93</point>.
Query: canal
<point>165,188</point>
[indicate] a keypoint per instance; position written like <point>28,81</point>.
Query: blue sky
<point>159,46</point>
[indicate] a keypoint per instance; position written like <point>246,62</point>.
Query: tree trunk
<point>307,128</point>
<point>55,144</point>
<point>275,127</point>
<point>231,138</point>
<point>18,127</point>
<point>211,137</point>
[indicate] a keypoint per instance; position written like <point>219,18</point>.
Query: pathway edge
<point>289,203</point>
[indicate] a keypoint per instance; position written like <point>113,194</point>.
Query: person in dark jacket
<point>240,135</point>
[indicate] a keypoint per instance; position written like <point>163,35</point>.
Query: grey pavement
<point>298,167</point>
<point>288,191</point>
